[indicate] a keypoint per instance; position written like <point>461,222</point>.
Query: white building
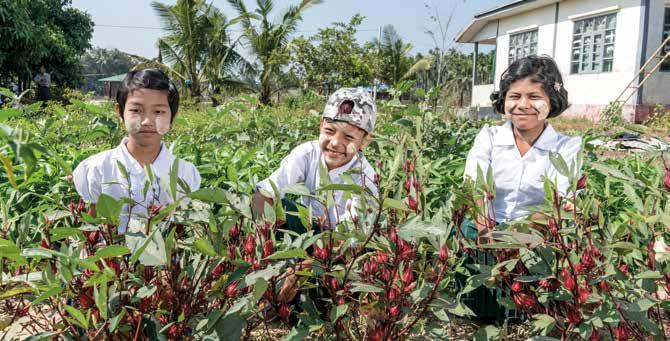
<point>599,46</point>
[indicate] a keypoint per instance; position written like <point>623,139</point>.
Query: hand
<point>290,287</point>
<point>568,206</point>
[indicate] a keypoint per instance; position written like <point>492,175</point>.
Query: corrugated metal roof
<point>117,78</point>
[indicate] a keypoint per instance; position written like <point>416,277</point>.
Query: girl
<point>531,91</point>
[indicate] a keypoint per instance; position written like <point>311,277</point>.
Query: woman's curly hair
<point>539,69</point>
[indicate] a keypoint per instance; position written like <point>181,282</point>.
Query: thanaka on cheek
<point>162,124</point>
<point>133,124</point>
<point>542,109</point>
<point>509,108</point>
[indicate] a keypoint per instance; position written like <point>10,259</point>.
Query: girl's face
<point>526,104</point>
<point>147,115</point>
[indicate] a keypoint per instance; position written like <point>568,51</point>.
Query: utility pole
<point>379,49</point>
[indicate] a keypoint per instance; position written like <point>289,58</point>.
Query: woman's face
<point>526,104</point>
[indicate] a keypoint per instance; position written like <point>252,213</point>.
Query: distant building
<point>599,45</point>
<point>112,85</point>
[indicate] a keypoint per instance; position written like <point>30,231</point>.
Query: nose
<point>147,119</point>
<point>524,103</point>
<point>336,140</point>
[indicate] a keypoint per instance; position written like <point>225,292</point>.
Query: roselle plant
<point>209,269</point>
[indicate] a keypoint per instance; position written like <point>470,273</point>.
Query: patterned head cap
<point>364,111</point>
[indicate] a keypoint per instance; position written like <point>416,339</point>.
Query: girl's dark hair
<point>153,79</point>
<point>539,69</point>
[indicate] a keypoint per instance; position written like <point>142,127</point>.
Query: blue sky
<point>411,18</point>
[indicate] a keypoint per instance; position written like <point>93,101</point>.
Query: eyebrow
<point>162,105</point>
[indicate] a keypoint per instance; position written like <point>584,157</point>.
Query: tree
<point>197,45</point>
<point>100,63</point>
<point>268,40</point>
<point>332,57</point>
<point>394,55</point>
<point>43,32</point>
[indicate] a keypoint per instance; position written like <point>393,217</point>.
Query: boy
<point>346,127</point>
<point>146,103</point>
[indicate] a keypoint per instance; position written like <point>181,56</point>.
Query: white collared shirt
<point>302,166</point>
<point>101,173</point>
<point>518,179</point>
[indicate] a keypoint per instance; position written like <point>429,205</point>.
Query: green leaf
<point>296,334</point>
<point>487,333</point>
<point>259,289</point>
<point>16,291</point>
<point>210,195</point>
<point>81,320</point>
<point>338,312</point>
<point>543,323</point>
<point>397,204</point>
<point>108,208</point>
<point>100,297</point>
<point>114,322</point>
<point>53,291</point>
<point>364,287</point>
<point>559,163</point>
<point>111,251</point>
<point>266,274</point>
<point>291,253</point>
<point>205,247</point>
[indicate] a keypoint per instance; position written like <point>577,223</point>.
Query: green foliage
<point>191,272</point>
<point>48,32</point>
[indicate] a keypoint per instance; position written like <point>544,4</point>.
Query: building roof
<point>117,78</point>
<point>503,11</point>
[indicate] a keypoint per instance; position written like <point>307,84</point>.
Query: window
<point>522,45</point>
<point>593,44</point>
<point>666,32</point>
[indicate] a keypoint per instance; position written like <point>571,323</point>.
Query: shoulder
<point>566,143</point>
<point>305,151</point>
<point>94,163</point>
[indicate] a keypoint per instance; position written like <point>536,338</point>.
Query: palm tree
<point>395,54</point>
<point>268,40</point>
<point>197,45</point>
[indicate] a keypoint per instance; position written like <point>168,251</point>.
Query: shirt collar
<point>162,161</point>
<point>546,141</point>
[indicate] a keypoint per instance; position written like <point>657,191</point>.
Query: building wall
<point>481,95</point>
<point>591,93</point>
<point>655,90</point>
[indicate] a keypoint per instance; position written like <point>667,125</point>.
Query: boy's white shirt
<point>302,166</point>
<point>100,174</point>
<point>518,179</point>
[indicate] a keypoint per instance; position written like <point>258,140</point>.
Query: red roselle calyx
<point>250,244</point>
<point>583,292</point>
<point>444,254</point>
<point>574,316</point>
<point>284,312</point>
<point>408,276</point>
<point>230,252</point>
<point>622,332</point>
<point>581,183</point>
<point>666,179</point>
<point>408,184</point>
<point>231,290</point>
<point>568,280</point>
<point>412,203</point>
<point>382,257</point>
<point>235,232</point>
<point>516,286</point>
<point>268,247</point>
<point>553,227</point>
<point>604,286</point>
<point>218,271</point>
<point>394,311</point>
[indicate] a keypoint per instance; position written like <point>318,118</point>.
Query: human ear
<point>117,110</point>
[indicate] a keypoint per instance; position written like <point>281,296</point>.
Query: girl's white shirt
<point>101,174</point>
<point>303,165</point>
<point>518,179</point>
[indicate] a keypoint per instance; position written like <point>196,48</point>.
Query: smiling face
<point>147,115</point>
<point>339,142</point>
<point>526,104</point>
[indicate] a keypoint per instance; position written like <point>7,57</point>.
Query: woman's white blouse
<point>101,174</point>
<point>518,179</point>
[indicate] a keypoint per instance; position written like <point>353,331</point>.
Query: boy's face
<point>146,115</point>
<point>339,142</point>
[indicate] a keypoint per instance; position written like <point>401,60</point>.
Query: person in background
<point>43,80</point>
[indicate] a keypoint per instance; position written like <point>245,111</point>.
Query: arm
<point>479,156</point>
